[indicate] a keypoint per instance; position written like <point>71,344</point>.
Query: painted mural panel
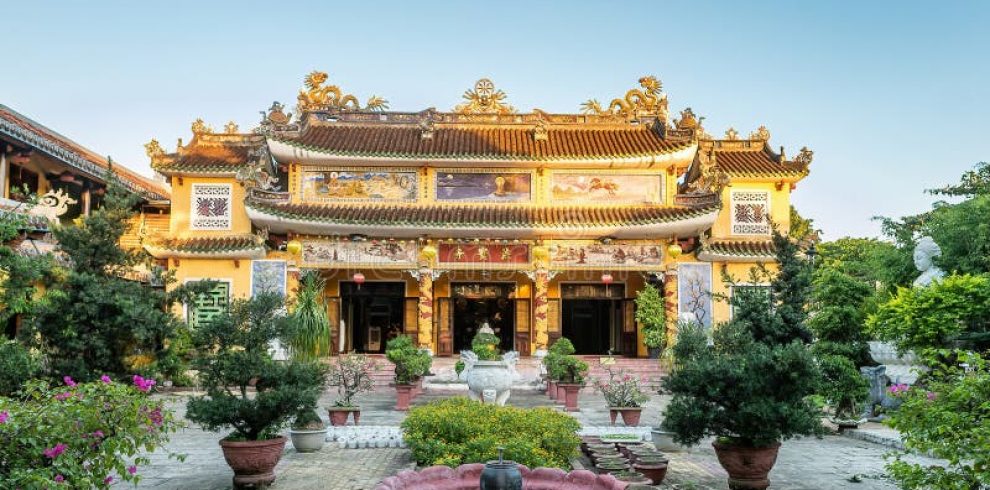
<point>381,185</point>
<point>483,253</point>
<point>329,253</point>
<point>694,292</point>
<point>609,189</point>
<point>268,276</point>
<point>484,187</point>
<point>594,254</point>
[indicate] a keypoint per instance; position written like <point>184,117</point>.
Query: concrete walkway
<point>806,464</point>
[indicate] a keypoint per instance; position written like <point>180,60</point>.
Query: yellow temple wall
<point>181,203</point>
<point>237,273</point>
<point>780,206</point>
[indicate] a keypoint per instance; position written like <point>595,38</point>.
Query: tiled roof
<point>755,163</point>
<point>209,157</point>
<point>40,137</point>
<point>246,245</point>
<point>508,217</point>
<point>484,142</point>
<point>741,249</point>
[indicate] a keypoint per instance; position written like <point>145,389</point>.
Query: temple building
<point>433,223</point>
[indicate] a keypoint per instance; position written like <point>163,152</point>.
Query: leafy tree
<point>955,309</point>
<point>878,263</point>
<point>19,274</point>
<point>751,386</point>
<point>93,321</point>
<point>651,311</point>
<point>973,183</point>
<point>838,319</point>
<point>234,349</point>
<point>963,232</point>
<point>802,229</point>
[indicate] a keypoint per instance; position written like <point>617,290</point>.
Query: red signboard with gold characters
<point>483,253</point>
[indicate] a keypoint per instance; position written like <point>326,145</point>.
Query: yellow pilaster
<point>541,289</point>
<point>671,302</point>
<point>425,320</point>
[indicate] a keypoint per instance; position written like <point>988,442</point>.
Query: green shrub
<point>17,366</point>
<point>310,335</point>
<point>562,346</point>
<point>235,355</point>
<point>843,387</point>
<point>651,311</point>
<point>485,346</point>
<point>457,430</point>
<point>411,363</point>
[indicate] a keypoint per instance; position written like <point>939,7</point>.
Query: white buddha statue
<point>924,252</point>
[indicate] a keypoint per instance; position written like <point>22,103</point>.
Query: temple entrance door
<point>373,313</point>
<point>477,303</point>
<point>592,318</point>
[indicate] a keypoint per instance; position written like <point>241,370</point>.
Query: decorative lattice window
<point>208,305</point>
<point>750,213</point>
<point>210,207</point>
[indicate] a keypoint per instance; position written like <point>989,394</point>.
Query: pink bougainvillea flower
<point>63,396</point>
<point>59,478</point>
<point>4,416</point>
<point>142,383</point>
<point>931,396</point>
<point>69,381</point>
<point>898,388</point>
<point>132,469</point>
<point>106,379</point>
<point>108,480</point>
<point>98,434</point>
<point>56,450</point>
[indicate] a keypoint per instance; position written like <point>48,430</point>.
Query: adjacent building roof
<point>745,250</point>
<point>208,154</point>
<point>759,163</point>
<point>230,246</point>
<point>35,135</point>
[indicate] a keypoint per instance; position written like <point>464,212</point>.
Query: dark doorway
<point>478,303</point>
<point>372,313</point>
<point>592,317</point>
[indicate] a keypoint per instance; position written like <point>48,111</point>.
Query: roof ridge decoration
<point>485,99</point>
<point>316,96</point>
<point>650,101</point>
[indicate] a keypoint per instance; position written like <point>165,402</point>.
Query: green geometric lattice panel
<point>208,305</point>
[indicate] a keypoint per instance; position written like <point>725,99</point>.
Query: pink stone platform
<point>468,476</point>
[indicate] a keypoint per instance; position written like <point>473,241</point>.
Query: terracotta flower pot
<point>748,467</point>
<point>654,471</point>
<point>560,396</point>
<point>253,462</point>
<point>338,415</point>
<point>551,388</point>
<point>403,395</point>
<point>630,415</point>
<point>570,396</point>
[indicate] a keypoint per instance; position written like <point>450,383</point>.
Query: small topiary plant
<point>485,346</point>
<point>234,356</point>
<point>457,431</point>
<point>411,363</point>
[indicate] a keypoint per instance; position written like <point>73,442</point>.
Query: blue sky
<point>893,97</point>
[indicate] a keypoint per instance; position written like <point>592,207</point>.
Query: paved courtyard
<point>832,462</point>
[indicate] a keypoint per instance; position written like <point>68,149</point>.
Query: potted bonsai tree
<point>750,389</point>
<point>486,370</point>
<point>844,390</point>
<point>562,347</point>
<point>623,395</point>
<point>235,361</point>
<point>351,374</point>
<point>308,433</point>
<point>651,312</point>
<point>410,365</point>
<point>570,373</point>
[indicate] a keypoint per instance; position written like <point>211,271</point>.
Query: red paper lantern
<point>358,278</point>
<point>607,278</point>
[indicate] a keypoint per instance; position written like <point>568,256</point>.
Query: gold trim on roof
<point>484,99</point>
<point>648,101</point>
<point>318,96</point>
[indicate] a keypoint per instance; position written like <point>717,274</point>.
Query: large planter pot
<point>403,395</point>
<point>656,472</point>
<point>654,352</point>
<point>551,388</point>
<point>492,377</point>
<point>559,393</point>
<point>748,467</point>
<point>571,396</point>
<point>308,441</point>
<point>630,415</point>
<point>338,415</point>
<point>253,462</point>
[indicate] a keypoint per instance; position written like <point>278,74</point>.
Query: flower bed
<point>456,430</point>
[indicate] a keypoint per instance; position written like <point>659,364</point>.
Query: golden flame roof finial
<point>153,149</point>
<point>484,99</point>
<point>200,127</point>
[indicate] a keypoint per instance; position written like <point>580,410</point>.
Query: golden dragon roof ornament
<point>648,101</point>
<point>318,96</point>
<point>484,99</point>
